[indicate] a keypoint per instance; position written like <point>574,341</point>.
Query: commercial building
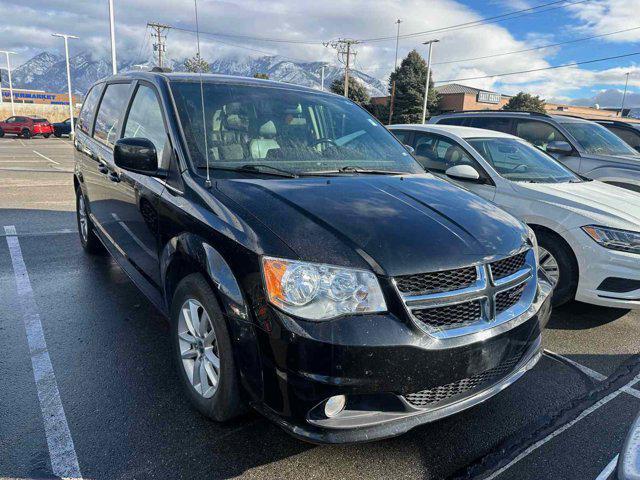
<point>37,96</point>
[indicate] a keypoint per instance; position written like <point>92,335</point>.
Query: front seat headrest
<point>268,130</point>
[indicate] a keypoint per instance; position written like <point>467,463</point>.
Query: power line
<point>553,67</point>
<point>344,47</point>
<point>448,62</point>
<point>483,21</point>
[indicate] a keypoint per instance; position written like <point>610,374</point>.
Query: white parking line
<point>608,470</point>
<point>64,461</point>
<point>593,374</point>
<point>45,157</point>
<point>601,403</point>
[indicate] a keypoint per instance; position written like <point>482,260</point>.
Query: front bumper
<point>377,362</point>
<point>596,264</point>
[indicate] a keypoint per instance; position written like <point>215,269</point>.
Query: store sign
<point>489,97</point>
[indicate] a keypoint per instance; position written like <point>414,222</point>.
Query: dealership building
<point>37,96</point>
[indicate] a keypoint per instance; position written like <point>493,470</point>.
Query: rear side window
<point>402,135</point>
<point>145,119</point>
<point>497,124</point>
<point>632,137</point>
<point>538,133</point>
<point>110,112</point>
<point>452,121</point>
<point>89,106</point>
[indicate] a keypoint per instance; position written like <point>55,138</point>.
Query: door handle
<point>114,177</point>
<point>103,169</point>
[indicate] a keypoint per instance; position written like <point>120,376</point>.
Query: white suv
<point>588,231</point>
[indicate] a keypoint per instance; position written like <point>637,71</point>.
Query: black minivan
<point>309,267</point>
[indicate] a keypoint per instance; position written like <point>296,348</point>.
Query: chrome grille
<point>508,266</point>
<point>479,381</point>
<point>450,315</point>
<point>470,299</point>
<point>435,282</point>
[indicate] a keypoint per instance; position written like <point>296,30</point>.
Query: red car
<point>26,127</point>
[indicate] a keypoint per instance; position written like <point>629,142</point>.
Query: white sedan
<point>588,232</point>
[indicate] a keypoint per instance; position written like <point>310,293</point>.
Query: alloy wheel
<point>198,348</point>
<point>82,218</point>
<point>549,264</point>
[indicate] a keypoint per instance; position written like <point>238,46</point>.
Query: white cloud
<point>604,16</point>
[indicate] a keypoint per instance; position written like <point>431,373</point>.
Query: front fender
<point>188,253</point>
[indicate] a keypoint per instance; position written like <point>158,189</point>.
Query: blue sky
<point>26,28</point>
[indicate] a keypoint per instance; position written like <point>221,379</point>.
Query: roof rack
<point>161,69</point>
<point>499,111</point>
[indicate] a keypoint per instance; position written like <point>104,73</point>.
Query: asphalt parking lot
<point>115,407</point>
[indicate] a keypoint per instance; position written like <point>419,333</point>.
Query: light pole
<point>13,109</point>
<point>66,53</point>
<point>112,27</point>
<point>322,77</point>
<point>426,88</point>
<point>624,95</point>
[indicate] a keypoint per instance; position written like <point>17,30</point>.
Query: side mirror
<point>463,172</point>
<point>637,148</point>
<point>559,147</point>
<point>137,155</point>
<point>410,148</point>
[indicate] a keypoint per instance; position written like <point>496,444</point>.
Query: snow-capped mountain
<point>47,71</point>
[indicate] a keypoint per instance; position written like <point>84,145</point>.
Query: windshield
<point>597,140</point>
<point>517,160</point>
<point>276,128</point>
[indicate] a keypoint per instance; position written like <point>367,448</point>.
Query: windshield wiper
<point>255,168</point>
<point>352,169</point>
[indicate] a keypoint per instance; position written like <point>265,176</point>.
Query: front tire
<point>559,263</point>
<point>88,239</point>
<point>58,135</point>
<point>1,133</point>
<point>202,351</point>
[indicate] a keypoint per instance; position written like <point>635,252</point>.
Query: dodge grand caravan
<point>309,267</point>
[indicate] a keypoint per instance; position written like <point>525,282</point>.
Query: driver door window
<point>437,154</point>
<point>145,119</point>
<point>538,133</point>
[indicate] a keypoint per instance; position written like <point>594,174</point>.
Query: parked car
<point>588,232</point>
<point>26,127</point>
<point>63,128</point>
<point>627,131</point>
<point>308,265</point>
<point>584,146</point>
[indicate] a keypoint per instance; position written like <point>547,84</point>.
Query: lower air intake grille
<point>508,298</point>
<point>436,282</point>
<point>450,316</point>
<point>479,381</point>
<point>508,266</point>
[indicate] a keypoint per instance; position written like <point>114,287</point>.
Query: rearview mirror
<point>559,147</point>
<point>463,172</point>
<point>410,148</point>
<point>137,155</point>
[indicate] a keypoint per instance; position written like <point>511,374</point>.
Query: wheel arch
<point>188,253</point>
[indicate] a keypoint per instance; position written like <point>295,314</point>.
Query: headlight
<point>614,239</point>
<point>534,243</point>
<point>317,292</point>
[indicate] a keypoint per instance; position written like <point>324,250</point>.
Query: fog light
<point>334,405</point>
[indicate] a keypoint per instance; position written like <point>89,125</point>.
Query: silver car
<point>584,146</point>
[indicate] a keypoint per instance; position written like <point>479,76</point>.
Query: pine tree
<point>263,76</point>
<point>409,98</point>
<point>196,64</point>
<point>524,102</point>
<point>357,92</point>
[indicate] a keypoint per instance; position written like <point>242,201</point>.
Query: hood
<point>588,203</point>
<point>394,225</point>
<point>632,159</point>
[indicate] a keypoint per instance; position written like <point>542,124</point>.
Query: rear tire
<point>88,239</point>
<point>555,250</point>
<point>198,345</point>
<point>58,135</point>
<point>26,134</point>
<point>46,135</point>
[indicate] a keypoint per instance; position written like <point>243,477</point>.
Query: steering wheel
<point>324,140</point>
<point>524,167</point>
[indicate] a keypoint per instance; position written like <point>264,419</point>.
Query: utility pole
<point>322,77</point>
<point>426,88</point>
<point>13,109</point>
<point>112,29</point>
<point>624,95</point>
<point>66,54</point>
<point>395,67</point>
<point>344,48</point>
<point>160,36</point>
